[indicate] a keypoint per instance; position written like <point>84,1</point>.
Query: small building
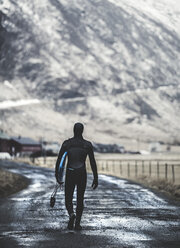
<point>24,146</point>
<point>108,148</point>
<point>53,147</point>
<point>5,142</point>
<point>155,147</point>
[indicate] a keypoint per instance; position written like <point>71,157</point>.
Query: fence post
<point>120,168</point>
<point>103,166</point>
<point>143,167</point>
<point>128,170</point>
<point>136,171</point>
<point>45,158</point>
<point>173,175</point>
<point>113,166</point>
<point>166,167</point>
<point>107,165</point>
<point>158,169</point>
<point>149,168</point>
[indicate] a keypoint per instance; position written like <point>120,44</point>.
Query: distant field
<point>155,166</point>
<point>152,156</point>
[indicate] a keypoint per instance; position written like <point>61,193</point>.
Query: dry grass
<point>167,187</point>
<point>11,183</point>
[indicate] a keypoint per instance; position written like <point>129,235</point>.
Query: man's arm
<point>61,152</point>
<point>93,167</point>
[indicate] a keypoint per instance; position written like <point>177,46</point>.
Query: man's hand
<point>94,184</point>
<point>61,186</point>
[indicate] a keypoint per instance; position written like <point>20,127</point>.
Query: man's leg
<point>69,190</point>
<point>81,186</point>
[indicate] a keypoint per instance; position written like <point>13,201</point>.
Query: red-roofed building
<point>5,142</point>
<point>24,146</point>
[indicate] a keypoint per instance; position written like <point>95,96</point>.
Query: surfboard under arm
<point>61,168</point>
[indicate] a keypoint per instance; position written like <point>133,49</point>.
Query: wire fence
<point>128,168</point>
<point>155,169</point>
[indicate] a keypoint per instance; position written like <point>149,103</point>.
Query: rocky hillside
<point>113,65</point>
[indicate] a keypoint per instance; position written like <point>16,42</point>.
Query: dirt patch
<point>11,183</point>
<point>166,187</point>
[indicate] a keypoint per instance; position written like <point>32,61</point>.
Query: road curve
<point>117,214</point>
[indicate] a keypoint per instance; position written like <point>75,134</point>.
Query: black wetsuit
<point>77,150</point>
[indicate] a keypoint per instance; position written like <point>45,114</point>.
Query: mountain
<point>114,65</point>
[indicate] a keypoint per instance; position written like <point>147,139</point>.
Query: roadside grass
<point>11,183</point>
<point>167,187</point>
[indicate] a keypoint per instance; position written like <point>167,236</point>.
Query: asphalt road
<point>117,214</point>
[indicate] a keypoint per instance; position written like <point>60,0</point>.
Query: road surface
<point>117,214</point>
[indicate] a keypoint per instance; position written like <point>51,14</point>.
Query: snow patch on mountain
<point>13,104</point>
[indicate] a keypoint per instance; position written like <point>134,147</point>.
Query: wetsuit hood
<point>78,130</point>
